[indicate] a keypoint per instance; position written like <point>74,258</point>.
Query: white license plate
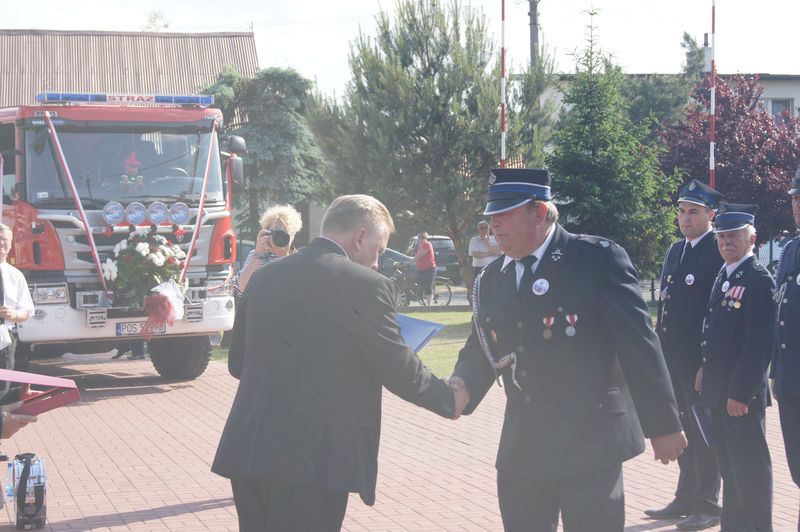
<point>441,268</point>
<point>137,328</point>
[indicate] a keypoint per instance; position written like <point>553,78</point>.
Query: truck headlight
<point>51,294</point>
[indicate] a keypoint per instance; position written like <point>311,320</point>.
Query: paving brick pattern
<point>135,455</point>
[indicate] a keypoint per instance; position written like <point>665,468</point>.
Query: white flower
<point>141,231</point>
<point>109,268</point>
<point>123,244</point>
<point>166,250</point>
<point>157,259</point>
<point>143,248</point>
<point>178,253</point>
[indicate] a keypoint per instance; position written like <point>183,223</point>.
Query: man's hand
<point>669,446</point>
<point>698,381</point>
<point>461,394</point>
<point>13,422</point>
<point>736,409</point>
<point>7,313</point>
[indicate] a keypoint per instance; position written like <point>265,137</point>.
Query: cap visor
<point>727,228</point>
<point>503,205</point>
<point>693,200</point>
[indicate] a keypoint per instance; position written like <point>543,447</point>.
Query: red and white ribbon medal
<point>572,319</point>
<point>548,322</point>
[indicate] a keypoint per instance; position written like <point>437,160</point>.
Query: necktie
<point>526,283</point>
<point>686,251</point>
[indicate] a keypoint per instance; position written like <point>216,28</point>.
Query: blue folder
<point>415,332</point>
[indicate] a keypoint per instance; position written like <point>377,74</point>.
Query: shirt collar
<point>538,252</point>
<point>699,238</point>
<point>732,268</point>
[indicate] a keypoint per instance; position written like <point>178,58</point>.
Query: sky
<point>314,36</point>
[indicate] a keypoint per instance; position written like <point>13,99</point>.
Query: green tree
<point>284,164</point>
<point>659,99</point>
<point>607,178</point>
<point>418,126</point>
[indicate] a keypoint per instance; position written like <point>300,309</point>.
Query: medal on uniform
<point>493,336</point>
<point>689,280</point>
<point>726,285</point>
<point>555,256</point>
<point>731,303</point>
<point>572,319</point>
<point>737,304</point>
<point>540,287</point>
<point>669,278</point>
<point>548,322</point>
<point>798,280</point>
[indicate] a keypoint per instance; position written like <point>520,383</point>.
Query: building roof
<point>33,61</point>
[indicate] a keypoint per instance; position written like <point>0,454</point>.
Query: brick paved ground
<point>135,455</point>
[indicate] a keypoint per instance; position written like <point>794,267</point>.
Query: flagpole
<point>713,106</point>
<point>503,84</point>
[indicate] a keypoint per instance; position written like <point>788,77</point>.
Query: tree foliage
<point>755,154</point>
<point>283,164</point>
<point>660,98</point>
<point>419,125</point>
<point>607,178</point>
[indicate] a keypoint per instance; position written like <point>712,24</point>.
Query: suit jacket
<point>315,339</point>
<point>574,408</point>
<point>786,347</point>
<point>737,337</point>
<point>685,289</point>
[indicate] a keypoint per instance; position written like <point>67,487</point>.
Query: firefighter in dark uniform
<point>690,267</point>
<point>736,345</point>
<point>561,319</point>
<point>786,352</point>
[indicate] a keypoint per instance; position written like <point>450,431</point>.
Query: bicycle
<point>409,291</point>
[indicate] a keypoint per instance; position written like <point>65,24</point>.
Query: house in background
<point>34,61</point>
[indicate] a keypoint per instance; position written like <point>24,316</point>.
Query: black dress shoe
<point>698,521</point>
<point>673,510</point>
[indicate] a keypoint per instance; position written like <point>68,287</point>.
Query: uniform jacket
<point>574,409</point>
<point>685,289</point>
<point>737,337</point>
<point>786,348</point>
<point>315,340</point>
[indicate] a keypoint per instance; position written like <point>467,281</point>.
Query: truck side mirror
<point>237,145</point>
<point>236,169</point>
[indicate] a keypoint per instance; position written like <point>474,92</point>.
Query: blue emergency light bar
<point>201,100</point>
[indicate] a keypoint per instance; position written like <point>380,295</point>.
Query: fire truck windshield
<point>121,164</point>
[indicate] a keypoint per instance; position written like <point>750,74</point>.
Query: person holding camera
<point>279,225</point>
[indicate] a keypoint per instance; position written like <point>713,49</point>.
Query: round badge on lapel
<point>726,285</point>
<point>689,280</point>
<point>798,280</point>
<point>540,287</point>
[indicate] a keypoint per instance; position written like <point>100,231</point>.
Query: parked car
<point>386,263</point>
<point>445,253</point>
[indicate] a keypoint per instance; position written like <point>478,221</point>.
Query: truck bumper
<point>62,323</point>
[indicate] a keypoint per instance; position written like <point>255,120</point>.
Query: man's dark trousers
<point>699,480</point>
<point>740,445</point>
<point>273,506</point>
<point>590,501</point>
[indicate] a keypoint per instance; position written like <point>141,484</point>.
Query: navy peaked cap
<point>511,187</point>
<point>733,216</point>
<point>795,183</point>
<point>701,194</point>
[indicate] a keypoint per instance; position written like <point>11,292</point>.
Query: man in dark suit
<point>785,368</point>
<point>736,345</point>
<point>690,267</point>
<point>561,318</point>
<point>315,340</point>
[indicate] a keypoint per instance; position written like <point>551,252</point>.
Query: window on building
<point>778,106</point>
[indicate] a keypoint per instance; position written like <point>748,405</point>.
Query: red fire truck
<point>69,207</point>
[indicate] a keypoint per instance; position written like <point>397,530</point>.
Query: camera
<point>279,237</point>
